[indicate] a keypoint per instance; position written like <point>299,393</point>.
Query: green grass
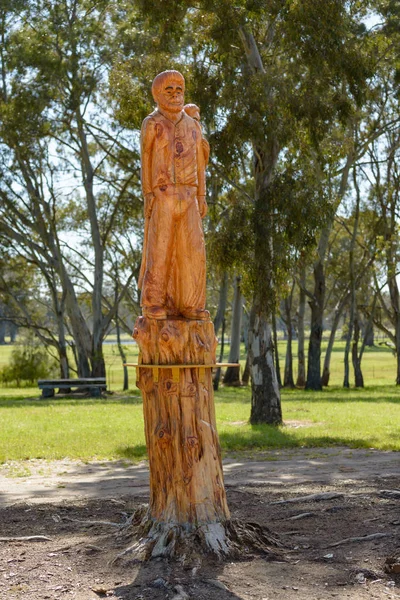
<point>113,428</point>
<point>379,363</point>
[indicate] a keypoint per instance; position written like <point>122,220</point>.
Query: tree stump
<point>188,513</point>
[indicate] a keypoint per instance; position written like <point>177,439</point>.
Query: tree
<point>232,374</point>
<point>54,65</point>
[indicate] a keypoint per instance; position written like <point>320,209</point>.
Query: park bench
<point>92,385</point>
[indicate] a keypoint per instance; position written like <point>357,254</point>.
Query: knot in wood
<point>189,390</point>
<point>170,387</point>
<point>135,333</point>
<point>164,438</point>
<point>165,336</point>
<point>192,441</point>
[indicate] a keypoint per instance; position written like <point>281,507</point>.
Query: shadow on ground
<point>84,536</point>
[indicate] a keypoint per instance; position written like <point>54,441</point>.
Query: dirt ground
<point>80,508</point>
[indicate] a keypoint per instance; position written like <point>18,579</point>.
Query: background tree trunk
<point>301,358</point>
<point>317,313</point>
<point>288,380</point>
<point>217,377</point>
<point>246,372</point>
<point>326,371</point>
<point>232,374</point>
<point>222,299</point>
<point>276,351</point>
<point>265,399</point>
<point>356,358</point>
<point>2,332</point>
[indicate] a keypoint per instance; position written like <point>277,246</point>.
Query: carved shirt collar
<point>166,115</point>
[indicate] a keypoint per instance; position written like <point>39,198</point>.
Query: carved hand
<point>203,208</point>
<point>148,204</point>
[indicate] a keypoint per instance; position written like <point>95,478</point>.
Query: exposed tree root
<point>89,523</point>
<point>26,538</point>
<point>312,498</point>
<point>364,538</point>
<point>231,539</point>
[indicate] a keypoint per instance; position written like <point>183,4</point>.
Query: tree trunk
<point>369,335</point>
<point>2,332</point>
<point>98,368</point>
<point>246,372</point>
<point>222,299</point>
<point>301,358</point>
<point>122,354</point>
<point>232,374</point>
<point>317,312</point>
<point>356,358</point>
<point>59,306</point>
<point>188,515</point>
<point>398,348</point>
<point>13,330</point>
<point>80,332</point>
<point>217,377</point>
<point>326,371</point>
<point>186,479</point>
<point>265,400</point>
<point>288,380</point>
<point>276,351</point>
<point>353,297</point>
<point>346,379</point>
<point>318,298</point>
<point>97,359</point>
<point>64,364</point>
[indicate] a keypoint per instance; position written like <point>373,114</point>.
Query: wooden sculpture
<point>176,338</point>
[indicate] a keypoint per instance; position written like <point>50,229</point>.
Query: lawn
<point>113,428</point>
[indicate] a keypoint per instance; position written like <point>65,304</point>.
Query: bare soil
<point>80,508</point>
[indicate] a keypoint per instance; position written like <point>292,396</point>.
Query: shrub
<point>29,362</point>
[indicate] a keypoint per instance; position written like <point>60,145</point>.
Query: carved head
<point>168,90</point>
<point>193,111</point>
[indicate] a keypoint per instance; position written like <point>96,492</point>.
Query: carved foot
<point>196,314</point>
<point>154,312</point>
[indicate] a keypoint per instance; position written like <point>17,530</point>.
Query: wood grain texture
<point>186,480</point>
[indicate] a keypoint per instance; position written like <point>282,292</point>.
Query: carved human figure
<point>173,272</point>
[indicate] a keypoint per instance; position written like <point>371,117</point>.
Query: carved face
<point>171,97</point>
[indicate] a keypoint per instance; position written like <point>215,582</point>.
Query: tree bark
<point>232,374</point>
<point>122,354</point>
<point>326,371</point>
<point>276,351</point>
<point>217,377</point>
<point>318,296</point>
<point>188,515</point>
<point>301,359</point>
<point>13,329</point>
<point>2,332</point>
<point>317,313</point>
<point>356,358</point>
<point>246,372</point>
<point>353,297</point>
<point>222,299</point>
<point>186,479</point>
<point>288,380</point>
<point>265,400</point>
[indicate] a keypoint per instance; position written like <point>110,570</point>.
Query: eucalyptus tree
<point>270,80</point>
<point>70,177</point>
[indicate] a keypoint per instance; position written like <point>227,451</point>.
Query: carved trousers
<point>175,275</point>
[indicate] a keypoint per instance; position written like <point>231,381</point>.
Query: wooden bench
<point>93,385</point>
